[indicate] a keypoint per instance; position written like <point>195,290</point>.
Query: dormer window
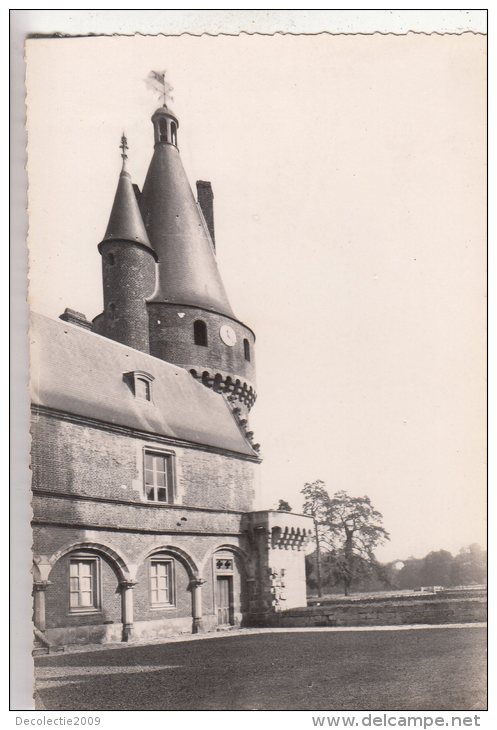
<point>200,333</point>
<point>162,130</point>
<point>142,388</point>
<point>140,384</point>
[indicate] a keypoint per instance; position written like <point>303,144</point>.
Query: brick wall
<point>93,494</point>
<point>135,549</point>
<point>139,517</point>
<point>129,275</point>
<point>171,339</point>
<point>143,609</point>
<point>78,459</point>
<point>57,598</point>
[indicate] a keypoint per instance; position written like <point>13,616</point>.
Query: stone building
<point>144,466</point>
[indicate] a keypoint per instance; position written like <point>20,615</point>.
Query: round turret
<point>128,270</point>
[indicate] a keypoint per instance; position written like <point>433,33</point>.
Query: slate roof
<point>125,222</point>
<point>188,272</point>
<point>81,373</point>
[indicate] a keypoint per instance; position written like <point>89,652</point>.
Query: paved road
<point>428,669</point>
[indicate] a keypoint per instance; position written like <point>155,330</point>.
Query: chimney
<point>70,315</point>
<point>205,198</point>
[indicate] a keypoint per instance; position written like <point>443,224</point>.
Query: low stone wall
<point>442,595</point>
<point>384,613</point>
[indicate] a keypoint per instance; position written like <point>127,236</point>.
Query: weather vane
<point>156,81</point>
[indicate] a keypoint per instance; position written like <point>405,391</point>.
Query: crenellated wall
<point>278,540</point>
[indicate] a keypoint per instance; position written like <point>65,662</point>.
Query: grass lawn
<point>432,669</point>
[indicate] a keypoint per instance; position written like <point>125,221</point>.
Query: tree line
<point>347,531</point>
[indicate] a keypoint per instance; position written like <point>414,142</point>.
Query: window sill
<point>163,607</point>
<point>83,611</point>
<point>157,503</point>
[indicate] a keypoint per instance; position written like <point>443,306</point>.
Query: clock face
<point>227,335</point>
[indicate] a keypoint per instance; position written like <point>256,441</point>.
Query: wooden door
<point>223,595</point>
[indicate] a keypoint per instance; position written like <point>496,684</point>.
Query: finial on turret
<point>156,81</point>
<point>124,146</point>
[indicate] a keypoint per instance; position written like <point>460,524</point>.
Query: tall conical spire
<point>188,272</point>
<point>125,222</point>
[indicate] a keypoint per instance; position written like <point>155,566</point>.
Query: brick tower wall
<point>129,275</point>
<point>172,339</point>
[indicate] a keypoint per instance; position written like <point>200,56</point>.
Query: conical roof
<point>125,222</point>
<point>188,272</point>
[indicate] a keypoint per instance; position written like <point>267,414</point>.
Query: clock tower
<point>163,293</point>
<point>191,322</point>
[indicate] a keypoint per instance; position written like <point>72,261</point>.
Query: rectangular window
<point>83,584</point>
<point>159,477</point>
<point>161,583</point>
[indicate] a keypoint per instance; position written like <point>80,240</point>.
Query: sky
<point>349,182</point>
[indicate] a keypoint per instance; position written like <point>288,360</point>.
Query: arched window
<point>200,333</point>
<point>162,130</point>
<point>112,259</point>
<point>246,349</point>
<point>173,132</point>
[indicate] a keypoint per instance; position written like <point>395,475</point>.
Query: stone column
<point>127,608</point>
<point>39,595</point>
<point>196,588</point>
